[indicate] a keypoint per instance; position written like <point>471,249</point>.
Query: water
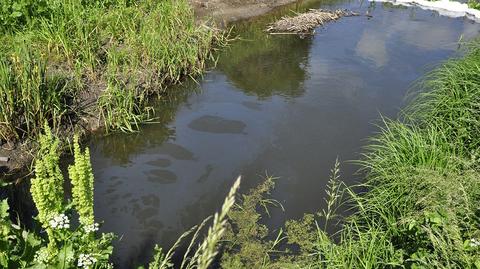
<point>276,105</point>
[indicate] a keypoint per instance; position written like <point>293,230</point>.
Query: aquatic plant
<point>246,243</point>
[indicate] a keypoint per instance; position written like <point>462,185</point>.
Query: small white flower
<point>60,221</point>
<point>92,228</point>
<point>41,256</point>
<point>474,242</point>
<point>86,260</point>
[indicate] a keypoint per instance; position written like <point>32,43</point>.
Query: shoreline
<point>22,153</point>
<point>227,11</point>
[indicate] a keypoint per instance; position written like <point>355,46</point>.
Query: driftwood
<point>306,22</point>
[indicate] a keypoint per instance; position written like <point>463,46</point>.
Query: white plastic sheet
<point>443,7</point>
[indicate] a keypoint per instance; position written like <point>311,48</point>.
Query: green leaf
<point>16,14</point>
<point>31,239</point>
<point>3,260</point>
<point>4,209</point>
<point>412,225</point>
<point>65,254</point>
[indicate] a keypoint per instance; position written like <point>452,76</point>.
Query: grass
<point>29,96</point>
<point>418,206</point>
<point>116,51</point>
<point>474,4</point>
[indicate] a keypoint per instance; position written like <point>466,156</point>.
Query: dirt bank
<point>226,11</point>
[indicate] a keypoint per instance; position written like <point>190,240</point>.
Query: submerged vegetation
<point>57,58</point>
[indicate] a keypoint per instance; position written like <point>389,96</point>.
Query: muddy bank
<point>226,11</point>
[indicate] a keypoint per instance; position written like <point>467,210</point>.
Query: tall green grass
<point>29,96</point>
<point>420,204</point>
<point>118,51</point>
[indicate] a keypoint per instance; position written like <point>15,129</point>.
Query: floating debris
<point>306,23</point>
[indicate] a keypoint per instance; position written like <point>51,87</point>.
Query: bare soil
<point>226,11</point>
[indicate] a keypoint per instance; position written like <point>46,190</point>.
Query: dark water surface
<point>280,105</point>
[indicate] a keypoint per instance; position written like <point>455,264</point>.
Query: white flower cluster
<point>60,221</point>
<point>41,256</point>
<point>92,228</point>
<point>86,260</point>
<point>474,243</point>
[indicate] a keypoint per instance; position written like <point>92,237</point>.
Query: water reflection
<point>417,31</point>
<point>120,147</point>
<point>218,125</point>
<point>265,65</point>
<point>280,104</point>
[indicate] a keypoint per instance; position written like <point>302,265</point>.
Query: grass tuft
<point>115,52</point>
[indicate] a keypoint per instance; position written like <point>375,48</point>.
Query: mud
<point>225,11</point>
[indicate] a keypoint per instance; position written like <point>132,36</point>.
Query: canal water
<point>276,105</point>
